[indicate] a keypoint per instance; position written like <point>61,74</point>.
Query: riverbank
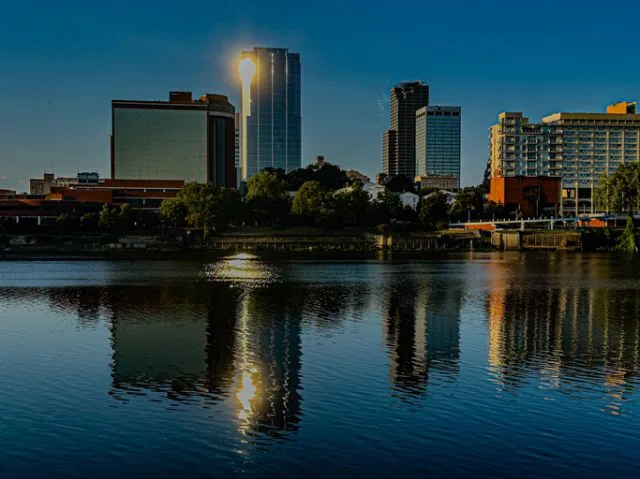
<point>296,240</point>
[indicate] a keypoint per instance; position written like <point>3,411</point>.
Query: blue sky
<point>61,63</point>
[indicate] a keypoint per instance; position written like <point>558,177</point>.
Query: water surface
<point>511,365</point>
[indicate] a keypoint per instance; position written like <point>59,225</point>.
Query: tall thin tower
<point>399,142</point>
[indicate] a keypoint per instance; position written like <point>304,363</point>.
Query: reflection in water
<point>422,324</point>
<point>242,268</point>
<point>578,326</point>
<point>567,325</point>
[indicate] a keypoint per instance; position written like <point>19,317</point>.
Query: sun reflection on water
<point>241,268</point>
<point>246,395</point>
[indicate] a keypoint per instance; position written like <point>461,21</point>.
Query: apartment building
<point>579,148</point>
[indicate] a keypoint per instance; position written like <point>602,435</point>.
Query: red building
<point>87,198</point>
<point>530,195</point>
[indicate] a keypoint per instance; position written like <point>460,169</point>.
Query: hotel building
<point>578,148</point>
<point>180,139</point>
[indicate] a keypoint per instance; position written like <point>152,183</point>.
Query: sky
<point>61,64</point>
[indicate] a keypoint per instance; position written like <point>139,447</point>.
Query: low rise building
<point>138,194</point>
<point>578,148</point>
<point>409,200</point>
<point>42,186</point>
<point>529,195</point>
<point>373,189</point>
<point>356,175</point>
<point>441,182</point>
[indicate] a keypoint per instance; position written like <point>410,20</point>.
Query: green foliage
<point>126,218</point>
<point>65,222</point>
<point>207,207</point>
<point>89,222</point>
<point>107,218</point>
<point>174,212</point>
<point>399,184</point>
<point>620,191</point>
<point>351,206</point>
<point>330,177</point>
<point>628,241</point>
<point>469,202</point>
<point>267,199</point>
<point>310,201</point>
<point>265,186</point>
<point>433,210</point>
<point>199,198</point>
<point>386,207</point>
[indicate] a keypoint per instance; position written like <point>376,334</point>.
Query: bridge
<point>597,220</point>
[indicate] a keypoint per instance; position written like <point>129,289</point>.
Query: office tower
<point>271,109</point>
<point>399,142</point>
<point>179,139</point>
<point>579,148</point>
<point>438,142</point>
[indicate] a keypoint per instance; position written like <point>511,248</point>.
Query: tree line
<point>318,196</point>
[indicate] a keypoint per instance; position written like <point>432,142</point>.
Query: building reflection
<point>268,361</point>
<point>172,339</point>
<point>421,331</point>
<point>570,321</point>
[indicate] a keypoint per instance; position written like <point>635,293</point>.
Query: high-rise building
<point>179,139</point>
<point>399,142</point>
<point>438,141</point>
<point>579,148</point>
<point>273,119</point>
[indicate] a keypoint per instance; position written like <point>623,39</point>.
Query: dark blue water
<point>478,365</point>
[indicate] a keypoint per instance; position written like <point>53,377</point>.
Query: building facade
<point>274,122</point>
<point>578,148</point>
<point>529,195</point>
<point>441,182</point>
<point>399,142</point>
<point>438,141</point>
<point>180,139</point>
<point>42,186</point>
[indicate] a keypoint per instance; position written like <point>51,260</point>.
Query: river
<point>496,364</point>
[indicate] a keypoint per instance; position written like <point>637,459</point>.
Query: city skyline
<point>70,68</point>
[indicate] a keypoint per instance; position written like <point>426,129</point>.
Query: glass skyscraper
<point>438,141</point>
<point>274,136</point>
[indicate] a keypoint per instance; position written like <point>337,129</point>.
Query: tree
<point>107,218</point>
<point>352,205</point>
<point>265,185</point>
<point>174,212</point>
<point>229,207</point>
<point>386,207</point>
<point>310,201</point>
<point>89,221</point>
<point>399,184</point>
<point>65,222</point>
<point>330,177</point>
<point>469,202</point>
<point>200,201</point>
<point>267,198</point>
<point>620,191</point>
<point>126,217</point>
<point>433,210</point>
